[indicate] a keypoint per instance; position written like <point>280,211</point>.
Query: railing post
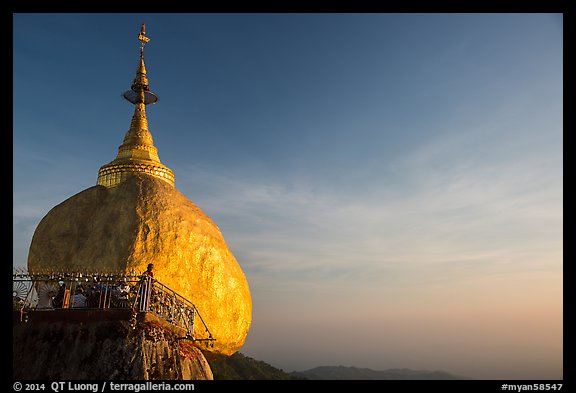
<point>143,291</point>
<point>191,326</point>
<point>171,318</point>
<point>148,292</point>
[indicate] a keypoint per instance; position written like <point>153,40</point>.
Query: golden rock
<point>145,220</point>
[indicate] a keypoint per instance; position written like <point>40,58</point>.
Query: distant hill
<point>355,373</point>
<point>241,367</point>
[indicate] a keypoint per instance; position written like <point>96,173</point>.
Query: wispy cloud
<point>466,218</point>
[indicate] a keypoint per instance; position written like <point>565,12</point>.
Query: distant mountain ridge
<point>241,367</point>
<point>355,373</point>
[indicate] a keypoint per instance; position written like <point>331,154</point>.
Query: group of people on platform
<point>97,294</point>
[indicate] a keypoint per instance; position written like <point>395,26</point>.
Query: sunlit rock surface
<point>145,220</point>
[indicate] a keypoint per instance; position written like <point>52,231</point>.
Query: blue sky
<point>391,184</point>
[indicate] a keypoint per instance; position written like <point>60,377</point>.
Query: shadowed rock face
<point>145,220</point>
<point>95,346</point>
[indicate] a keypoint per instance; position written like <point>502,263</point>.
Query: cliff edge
<point>103,345</point>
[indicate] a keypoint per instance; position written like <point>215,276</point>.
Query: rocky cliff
<point>105,345</point>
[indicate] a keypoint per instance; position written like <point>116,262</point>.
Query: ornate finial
<point>137,154</point>
<point>140,91</point>
<point>143,39</point>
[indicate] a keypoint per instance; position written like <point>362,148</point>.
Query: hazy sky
<point>391,184</point>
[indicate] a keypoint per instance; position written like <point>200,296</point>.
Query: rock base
<point>103,345</point>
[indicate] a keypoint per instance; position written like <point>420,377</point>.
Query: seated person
<point>123,293</point>
<point>79,300</point>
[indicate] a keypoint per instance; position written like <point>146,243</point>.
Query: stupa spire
<point>137,154</point>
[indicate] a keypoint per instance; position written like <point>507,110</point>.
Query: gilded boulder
<point>146,220</point>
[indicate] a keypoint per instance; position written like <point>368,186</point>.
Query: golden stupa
<point>135,216</point>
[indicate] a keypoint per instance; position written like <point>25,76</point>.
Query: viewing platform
<point>85,297</point>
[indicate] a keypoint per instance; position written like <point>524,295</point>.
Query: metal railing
<point>80,290</point>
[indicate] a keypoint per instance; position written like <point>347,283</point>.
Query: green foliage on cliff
<point>241,367</point>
